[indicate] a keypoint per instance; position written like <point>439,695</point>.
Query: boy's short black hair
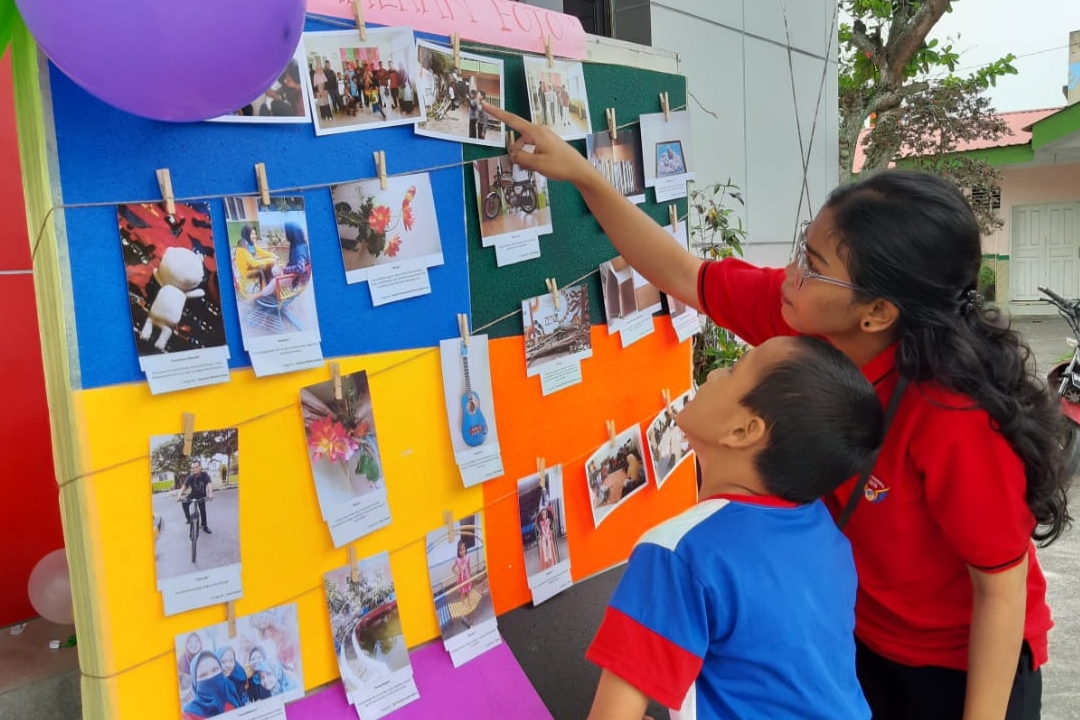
<point>824,419</point>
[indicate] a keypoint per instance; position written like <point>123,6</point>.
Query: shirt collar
<point>763,500</point>
<point>877,369</point>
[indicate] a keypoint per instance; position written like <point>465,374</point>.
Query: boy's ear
<point>746,433</point>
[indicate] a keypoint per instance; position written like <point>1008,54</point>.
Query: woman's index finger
<point>514,121</point>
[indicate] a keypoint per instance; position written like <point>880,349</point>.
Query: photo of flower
<point>378,227</point>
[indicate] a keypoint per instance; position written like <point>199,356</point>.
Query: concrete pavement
<point>173,547</point>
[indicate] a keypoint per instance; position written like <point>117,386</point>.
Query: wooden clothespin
<point>612,126</point>
<point>260,179</point>
<point>165,183</point>
<point>540,468</point>
<point>335,373</point>
<point>673,216</point>
<point>354,570</point>
<point>380,167</point>
<point>547,51</point>
<point>510,137</point>
<point>358,13</point>
<point>553,287</point>
<point>448,518</point>
<point>666,394</point>
<point>463,327</point>
<point>188,420</point>
<point>455,42</point>
<point>611,432</point>
<point>665,106</point>
<point>230,618</point>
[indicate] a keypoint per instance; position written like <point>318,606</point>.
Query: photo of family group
<point>453,95</point>
<point>286,101</point>
<point>271,265</point>
<point>556,330</point>
<point>667,443</point>
<point>615,472</point>
<point>513,202</point>
<point>357,85</point>
<point>457,569</point>
<point>258,664</point>
<point>542,513</point>
<point>557,97</point>
<point>626,292</point>
<point>366,626</point>
<point>172,278</point>
<point>619,160</point>
<point>201,487</point>
<point>381,227</point>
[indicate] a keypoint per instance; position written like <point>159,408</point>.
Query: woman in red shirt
<point>951,617</point>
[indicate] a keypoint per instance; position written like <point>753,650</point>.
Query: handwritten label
<point>491,22</point>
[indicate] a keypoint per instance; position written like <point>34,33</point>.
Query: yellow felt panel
<point>285,545</point>
<point>567,427</point>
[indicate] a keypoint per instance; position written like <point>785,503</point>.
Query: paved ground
<point>173,547</point>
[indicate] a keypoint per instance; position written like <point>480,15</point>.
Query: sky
<point>1037,29</point>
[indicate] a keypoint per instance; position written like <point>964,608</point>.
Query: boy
<point>743,606</point>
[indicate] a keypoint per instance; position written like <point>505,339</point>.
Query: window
<point>986,197</point>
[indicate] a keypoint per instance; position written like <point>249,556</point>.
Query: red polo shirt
<point>947,492</point>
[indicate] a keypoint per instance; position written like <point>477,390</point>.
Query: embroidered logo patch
<point>875,491</point>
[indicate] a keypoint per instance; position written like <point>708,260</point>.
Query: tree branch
<point>871,46</point>
<point>892,99</point>
<point>903,44</point>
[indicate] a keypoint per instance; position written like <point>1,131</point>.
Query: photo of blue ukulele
<point>473,425</point>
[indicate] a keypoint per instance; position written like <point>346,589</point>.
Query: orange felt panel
<point>567,427</point>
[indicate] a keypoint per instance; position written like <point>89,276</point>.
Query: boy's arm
<point>617,699</point>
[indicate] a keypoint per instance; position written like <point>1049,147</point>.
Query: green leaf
<point>9,20</point>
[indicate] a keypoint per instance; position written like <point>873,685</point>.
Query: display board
<point>83,158</point>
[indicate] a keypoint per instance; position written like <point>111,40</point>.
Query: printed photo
<point>513,202</point>
<point>557,97</point>
<point>195,502</point>
<point>382,227</point>
<point>271,264</point>
<point>619,161</point>
<point>666,146</point>
<point>467,383</point>
<point>556,333</point>
<point>358,85</point>
<point>286,101</point>
<point>260,664</point>
<point>341,440</point>
<point>452,96</point>
<point>667,443</point>
<point>615,472</point>
<point>457,568</point>
<point>626,292</point>
<point>542,512</point>
<point>366,625</point>
<point>172,277</point>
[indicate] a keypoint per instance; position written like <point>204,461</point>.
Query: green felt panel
<point>577,245</point>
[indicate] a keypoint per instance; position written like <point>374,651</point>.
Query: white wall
<point>735,55</point>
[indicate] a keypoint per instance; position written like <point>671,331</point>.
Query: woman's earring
<point>866,323</point>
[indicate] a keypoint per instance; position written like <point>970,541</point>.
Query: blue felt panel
<point>109,156</point>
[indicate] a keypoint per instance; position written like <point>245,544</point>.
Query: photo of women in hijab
<point>234,671</point>
<point>214,693</point>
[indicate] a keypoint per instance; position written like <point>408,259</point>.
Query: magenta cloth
<point>492,685</point>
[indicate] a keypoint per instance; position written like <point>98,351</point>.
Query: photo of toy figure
<point>172,278</point>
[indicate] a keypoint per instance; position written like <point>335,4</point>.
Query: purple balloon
<point>178,60</point>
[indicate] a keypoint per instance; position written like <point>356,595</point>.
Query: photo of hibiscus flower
<point>384,227</point>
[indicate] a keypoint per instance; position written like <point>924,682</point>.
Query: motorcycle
<point>1064,379</point>
<point>521,194</point>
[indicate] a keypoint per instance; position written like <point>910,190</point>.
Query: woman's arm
<point>997,632</point>
<point>638,238</point>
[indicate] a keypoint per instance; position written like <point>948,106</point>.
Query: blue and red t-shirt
<point>948,492</point>
<point>740,607</point>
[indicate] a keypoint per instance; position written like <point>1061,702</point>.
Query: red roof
<point>1019,123</point>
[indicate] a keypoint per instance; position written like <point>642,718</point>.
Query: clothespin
<point>540,468</point>
<point>463,327</point>
<point>358,13</point>
<point>335,373</point>
<point>260,179</point>
<point>673,216</point>
<point>611,432</point>
<point>547,51</point>
<point>665,106</point>
<point>354,570</point>
<point>165,183</point>
<point>509,140</point>
<point>553,287</point>
<point>455,41</point>
<point>188,420</point>
<point>666,394</point>
<point>380,167</point>
<point>448,518</point>
<point>230,617</point>
<point>612,126</point>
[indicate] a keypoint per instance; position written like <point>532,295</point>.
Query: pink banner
<point>492,22</point>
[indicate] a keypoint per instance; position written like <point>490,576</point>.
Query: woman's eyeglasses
<point>802,259</point>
